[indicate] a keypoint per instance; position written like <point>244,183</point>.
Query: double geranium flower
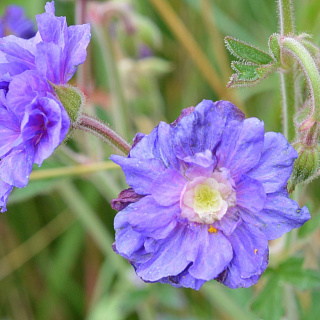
<point>207,193</point>
<point>33,121</point>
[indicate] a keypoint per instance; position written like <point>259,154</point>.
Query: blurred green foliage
<point>56,260</point>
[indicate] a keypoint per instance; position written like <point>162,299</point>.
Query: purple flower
<point>33,122</point>
<point>15,22</point>
<point>213,188</point>
<point>54,52</point>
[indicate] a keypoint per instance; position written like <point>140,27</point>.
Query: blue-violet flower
<point>207,193</point>
<point>33,122</point>
<point>15,22</point>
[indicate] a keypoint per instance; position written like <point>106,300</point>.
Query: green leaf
<point>310,226</point>
<point>292,271</point>
<point>274,46</point>
<point>247,52</point>
<point>246,71</point>
<point>269,302</point>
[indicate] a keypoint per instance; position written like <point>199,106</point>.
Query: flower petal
<point>275,165</point>
<point>229,221</point>
<point>149,218</point>
<point>139,174</point>
<point>5,190</point>
<point>241,146</point>
<point>250,259</point>
<point>166,189</point>
<point>280,215</point>
<point>195,133</point>
<point>250,194</point>
<point>15,168</point>
<point>170,258</point>
<point>210,254</point>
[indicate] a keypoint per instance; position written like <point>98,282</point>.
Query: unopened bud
<point>306,166</point>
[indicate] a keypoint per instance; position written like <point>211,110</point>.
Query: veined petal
<point>170,259</point>
<point>280,215</point>
<point>166,189</point>
<point>139,174</point>
<point>5,190</point>
<point>276,162</point>
<point>250,256</point>
<point>78,41</point>
<point>250,194</point>
<point>241,146</point>
<point>149,218</point>
<point>15,168</point>
<point>229,221</point>
<point>210,254</point>
<point>195,133</point>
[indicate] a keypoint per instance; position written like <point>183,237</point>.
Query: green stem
<point>310,69</point>
<point>286,19</point>
<point>288,103</point>
<point>119,104</point>
<point>286,26</point>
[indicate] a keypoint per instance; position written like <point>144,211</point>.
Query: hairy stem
<point>286,26</point>
<point>286,18</point>
<point>310,69</point>
<point>102,131</point>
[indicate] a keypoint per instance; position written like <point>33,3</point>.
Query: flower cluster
<point>15,22</point>
<point>207,193</point>
<point>33,122</point>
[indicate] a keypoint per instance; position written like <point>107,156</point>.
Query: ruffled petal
<point>5,190</point>
<point>241,146</point>
<point>139,174</point>
<point>150,219</point>
<point>280,215</point>
<point>50,62</point>
<point>170,258</point>
<point>184,279</point>
<point>195,132</point>
<point>23,89</point>
<point>250,259</point>
<point>250,194</point>
<point>210,254</point>
<point>201,164</point>
<point>276,162</point>
<point>229,221</point>
<point>15,168</point>
<point>9,131</point>
<point>78,41</point>
<point>166,189</point>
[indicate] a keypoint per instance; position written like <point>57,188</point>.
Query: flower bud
<point>72,100</point>
<point>306,166</point>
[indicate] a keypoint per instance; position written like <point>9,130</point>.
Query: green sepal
<point>274,46</point>
<point>247,52</point>
<point>72,100</point>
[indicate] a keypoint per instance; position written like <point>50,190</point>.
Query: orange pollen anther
<point>212,229</point>
<point>255,251</point>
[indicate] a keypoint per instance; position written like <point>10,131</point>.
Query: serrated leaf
<point>268,304</point>
<point>247,52</point>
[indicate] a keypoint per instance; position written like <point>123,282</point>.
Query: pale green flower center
<point>206,199</point>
